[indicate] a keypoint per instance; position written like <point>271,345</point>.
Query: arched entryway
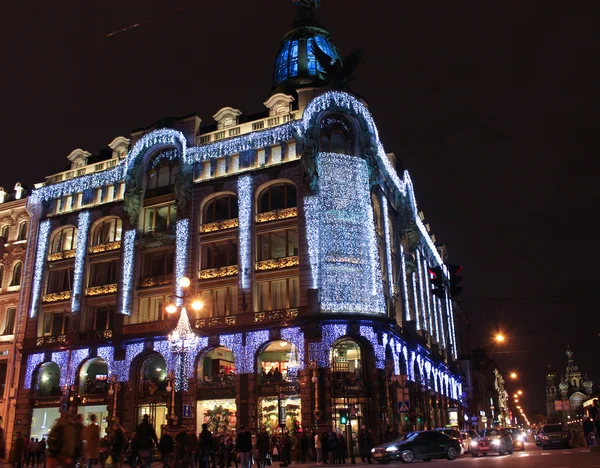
<point>47,396</point>
<point>278,393</point>
<point>93,391</point>
<point>152,395</point>
<point>349,391</point>
<point>216,404</point>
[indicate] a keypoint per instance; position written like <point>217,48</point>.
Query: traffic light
<point>437,281</point>
<point>455,279</point>
<point>343,417</point>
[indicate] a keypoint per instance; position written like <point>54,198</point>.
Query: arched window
<point>220,208</point>
<point>336,135</point>
<point>217,368</point>
<point>277,197</point>
<point>107,231</point>
<point>16,275</point>
<point>153,375</point>
<point>346,358</point>
<point>278,362</point>
<point>64,240</point>
<point>22,233</point>
<point>93,377</point>
<point>4,232</point>
<point>47,382</point>
<point>163,174</point>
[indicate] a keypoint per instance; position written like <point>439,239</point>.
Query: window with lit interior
<point>278,294</point>
<point>64,240</point>
<point>278,362</point>
<point>220,208</point>
<point>47,381</point>
<point>276,197</point>
<point>277,244</point>
<point>219,302</point>
<point>217,368</point>
<point>219,254</point>
<point>93,377</point>
<point>107,231</point>
<point>160,218</point>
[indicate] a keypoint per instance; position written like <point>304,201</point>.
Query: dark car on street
<point>553,435</point>
<point>421,445</point>
<point>491,441</point>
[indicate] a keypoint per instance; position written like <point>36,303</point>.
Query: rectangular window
<point>219,254</point>
<point>100,318</point>
<point>159,218</point>
<point>55,324</point>
<point>219,302</point>
<point>277,244</point>
<point>3,368</point>
<point>152,309</point>
<point>157,264</point>
<point>102,273</point>
<point>278,294</point>
<point>59,280</point>
<point>9,322</point>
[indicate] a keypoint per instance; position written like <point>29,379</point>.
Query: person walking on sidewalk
<point>318,449</point>
<point>243,446</point>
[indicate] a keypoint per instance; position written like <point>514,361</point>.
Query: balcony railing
<point>215,322</point>
<point>101,290</point>
<point>275,215</point>
<point>155,281</point>
<point>277,263</point>
<point>275,315</point>
<point>56,297</point>
<point>219,225</point>
<point>61,255</point>
<point>223,272</point>
<point>221,380</point>
<point>107,247</point>
<point>49,340</point>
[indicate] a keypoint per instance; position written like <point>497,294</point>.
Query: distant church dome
<point>296,65</point>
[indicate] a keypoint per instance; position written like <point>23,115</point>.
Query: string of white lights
<point>245,226</point>
<point>40,261</point>
<point>313,229</point>
<point>181,247</point>
<point>128,267</point>
<point>83,225</point>
<point>388,244</point>
<point>416,300</point>
<point>419,272</point>
<point>407,316</point>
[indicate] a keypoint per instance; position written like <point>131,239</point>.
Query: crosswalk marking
<point>545,453</point>
<point>524,454</point>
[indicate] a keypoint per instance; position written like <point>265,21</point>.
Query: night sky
<point>491,106</point>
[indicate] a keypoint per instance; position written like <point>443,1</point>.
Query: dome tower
<point>296,65</point>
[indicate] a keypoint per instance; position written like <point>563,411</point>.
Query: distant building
<point>565,398</point>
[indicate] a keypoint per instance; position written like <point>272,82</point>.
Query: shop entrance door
<point>157,414</point>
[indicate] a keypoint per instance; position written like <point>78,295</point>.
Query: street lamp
<point>182,340</point>
<point>500,338</point>
<point>513,375</point>
<point>520,392</point>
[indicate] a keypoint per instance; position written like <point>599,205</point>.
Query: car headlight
<point>496,442</point>
<point>391,448</point>
<point>522,438</point>
<point>372,450</point>
<point>474,443</point>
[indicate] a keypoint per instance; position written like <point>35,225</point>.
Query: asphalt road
<point>532,457</point>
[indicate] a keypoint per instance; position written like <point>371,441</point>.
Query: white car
<point>466,441</point>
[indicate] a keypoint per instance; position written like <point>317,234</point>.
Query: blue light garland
<point>234,342</point>
<point>254,341</point>
<point>295,335</point>
<point>77,357</point>
<point>33,362</point>
<point>108,354</point>
<point>420,283</point>
<point>369,333</point>
<point>245,226</point>
<point>407,316</point>
<point>181,245</point>
<point>121,368</point>
<point>61,358</point>
<point>163,136</point>
<point>321,351</point>
<point>83,225</point>
<point>40,260</point>
<point>128,264</point>
<point>388,245</point>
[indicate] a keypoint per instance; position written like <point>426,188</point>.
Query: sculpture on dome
<point>338,73</point>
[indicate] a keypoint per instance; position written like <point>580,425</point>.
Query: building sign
<point>215,393</point>
<point>274,389</point>
<point>453,416</point>
<point>92,399</point>
<point>147,327</point>
<point>187,411</point>
<point>46,402</point>
<point>403,406</point>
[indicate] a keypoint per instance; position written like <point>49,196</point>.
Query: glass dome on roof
<point>296,59</point>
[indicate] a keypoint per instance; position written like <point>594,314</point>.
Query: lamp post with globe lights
<point>182,340</point>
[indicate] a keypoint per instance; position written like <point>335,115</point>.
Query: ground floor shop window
<point>217,368</point>
<point>272,410</point>
<point>101,412</point>
<point>156,413</point>
<point>42,420</point>
<point>218,414</point>
<point>278,362</point>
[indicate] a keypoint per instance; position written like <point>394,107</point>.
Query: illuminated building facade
<point>302,241</point>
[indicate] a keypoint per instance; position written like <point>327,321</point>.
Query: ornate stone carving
<point>275,215</point>
<point>219,225</point>
<point>277,263</point>
<point>223,272</point>
<point>100,290</point>
<point>55,297</point>
<point>105,247</point>
<point>61,255</point>
<point>155,281</point>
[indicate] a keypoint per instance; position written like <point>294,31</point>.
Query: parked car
<point>553,435</point>
<point>518,437</point>
<point>466,441</point>
<point>491,441</point>
<point>423,445</point>
<point>455,434</point>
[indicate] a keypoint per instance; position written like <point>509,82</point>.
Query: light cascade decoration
<point>369,333</point>
<point>313,229</point>
<point>108,354</point>
<point>254,340</point>
<point>416,300</point>
<point>121,368</point>
<point>421,294</point>
<point>128,264</point>
<point>83,225</point>
<point>349,258</point>
<point>234,342</point>
<point>183,341</point>
<point>388,244</point>
<point>295,335</point>
<point>407,315</point>
<point>40,257</point>
<point>181,244</point>
<point>245,226</point>
<point>61,358</point>
<point>33,362</point>
<point>321,351</point>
